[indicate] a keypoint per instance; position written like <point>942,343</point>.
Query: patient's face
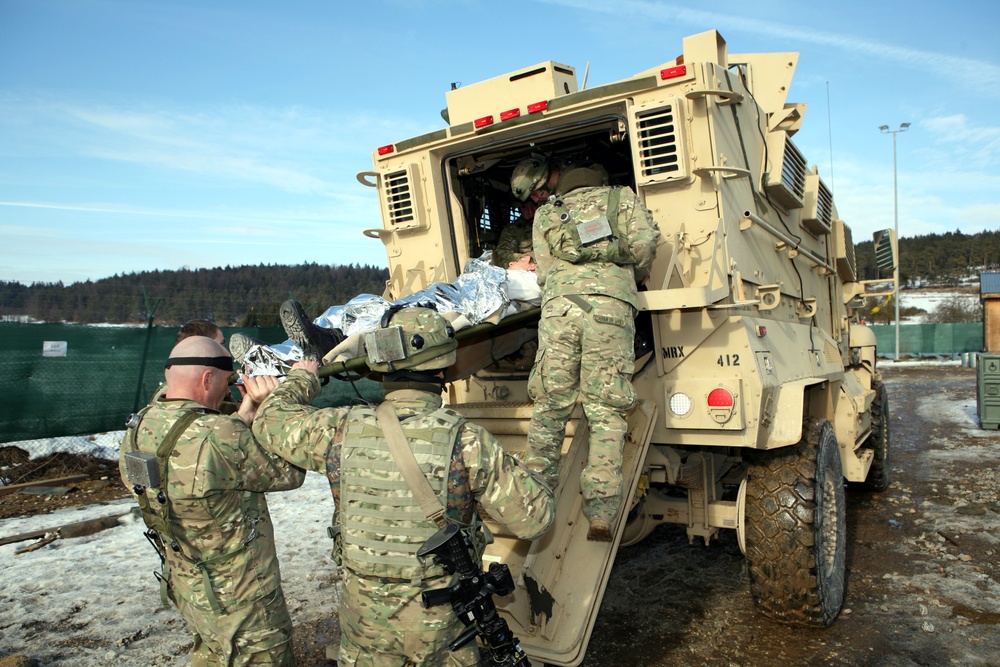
<point>523,263</point>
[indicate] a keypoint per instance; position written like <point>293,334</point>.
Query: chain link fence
<point>70,388</point>
<point>929,339</point>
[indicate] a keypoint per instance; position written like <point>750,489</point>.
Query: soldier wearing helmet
<point>379,522</point>
<point>534,178</point>
<point>592,244</point>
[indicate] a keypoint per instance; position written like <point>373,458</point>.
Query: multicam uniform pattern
<point>514,241</point>
<point>585,339</point>
<point>382,619</point>
<point>217,512</point>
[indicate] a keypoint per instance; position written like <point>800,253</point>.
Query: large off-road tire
<point>638,525</point>
<point>796,528</point>
<point>878,475</point>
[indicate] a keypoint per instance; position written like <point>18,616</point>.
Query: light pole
<point>895,217</point>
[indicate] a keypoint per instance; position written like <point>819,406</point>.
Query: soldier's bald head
<point>188,362</point>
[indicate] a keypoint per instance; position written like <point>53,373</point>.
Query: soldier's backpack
<point>600,239</point>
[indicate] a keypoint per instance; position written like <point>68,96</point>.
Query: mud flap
<point>561,578</point>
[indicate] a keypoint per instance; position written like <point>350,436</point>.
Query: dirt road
<point>923,581</point>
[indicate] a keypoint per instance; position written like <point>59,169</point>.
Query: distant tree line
<point>251,295</point>
<point>936,259</point>
<point>228,296</point>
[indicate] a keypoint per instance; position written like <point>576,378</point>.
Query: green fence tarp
<point>929,339</point>
<point>90,383</point>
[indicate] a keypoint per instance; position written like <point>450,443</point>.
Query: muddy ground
<point>101,482</point>
<point>922,582</point>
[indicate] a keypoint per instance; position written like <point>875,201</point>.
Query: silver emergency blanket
<point>271,359</point>
<point>477,294</point>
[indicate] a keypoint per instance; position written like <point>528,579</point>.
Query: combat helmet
<point>581,177</point>
<point>412,339</point>
<point>529,175</point>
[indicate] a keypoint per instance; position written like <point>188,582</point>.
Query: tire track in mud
<point>923,586</point>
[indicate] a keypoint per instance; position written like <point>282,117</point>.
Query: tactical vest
<point>571,241</point>
<point>380,523</point>
<point>157,516</point>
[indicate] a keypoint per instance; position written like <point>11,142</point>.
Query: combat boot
<point>600,530</point>
<point>315,341</point>
<point>240,344</point>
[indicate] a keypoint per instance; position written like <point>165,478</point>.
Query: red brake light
<point>507,115</point>
<point>673,72</point>
<point>538,106</point>
<point>720,398</point>
<point>484,121</point>
<point>385,150</point>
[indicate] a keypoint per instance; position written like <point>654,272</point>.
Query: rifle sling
<point>430,505</point>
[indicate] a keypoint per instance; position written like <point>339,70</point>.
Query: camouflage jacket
<point>311,438</point>
<point>559,277</point>
<point>216,478</point>
<point>514,241</point>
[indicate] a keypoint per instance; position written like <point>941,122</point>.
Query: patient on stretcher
<point>483,293</point>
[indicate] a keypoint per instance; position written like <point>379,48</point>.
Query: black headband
<point>223,363</point>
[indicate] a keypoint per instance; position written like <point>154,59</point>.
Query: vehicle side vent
<point>401,198</point>
<point>787,186</point>
<point>658,144</point>
<point>817,206</point>
<point>398,198</point>
<point>843,247</point>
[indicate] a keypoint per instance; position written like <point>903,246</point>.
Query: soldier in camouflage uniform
<point>200,484</point>
<point>515,238</point>
<point>378,521</point>
<point>590,253</point>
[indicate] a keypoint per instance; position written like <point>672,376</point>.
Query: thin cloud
<point>982,75</point>
<point>278,218</point>
<point>293,150</point>
<point>115,210</point>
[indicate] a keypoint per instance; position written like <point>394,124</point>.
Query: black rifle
<point>472,596</point>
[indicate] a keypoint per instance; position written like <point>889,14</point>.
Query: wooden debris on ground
<point>76,529</point>
<point>56,481</point>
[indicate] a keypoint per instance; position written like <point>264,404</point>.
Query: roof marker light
<point>484,121</point>
<point>538,106</point>
<point>673,72</point>
<point>385,150</point>
<point>507,115</point>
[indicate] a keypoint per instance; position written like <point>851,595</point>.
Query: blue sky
<point>150,134</point>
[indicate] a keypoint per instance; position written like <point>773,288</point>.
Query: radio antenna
<point>829,125</point>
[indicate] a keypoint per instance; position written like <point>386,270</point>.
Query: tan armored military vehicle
<point>759,393</point>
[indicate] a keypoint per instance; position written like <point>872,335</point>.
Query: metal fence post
<point>145,349</point>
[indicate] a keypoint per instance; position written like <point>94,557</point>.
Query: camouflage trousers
<point>386,625</point>
<point>587,355</point>
<point>258,634</point>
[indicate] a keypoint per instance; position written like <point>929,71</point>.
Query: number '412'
<point>729,360</point>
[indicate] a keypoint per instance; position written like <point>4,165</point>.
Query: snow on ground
<point>93,601</point>
<point>928,300</point>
